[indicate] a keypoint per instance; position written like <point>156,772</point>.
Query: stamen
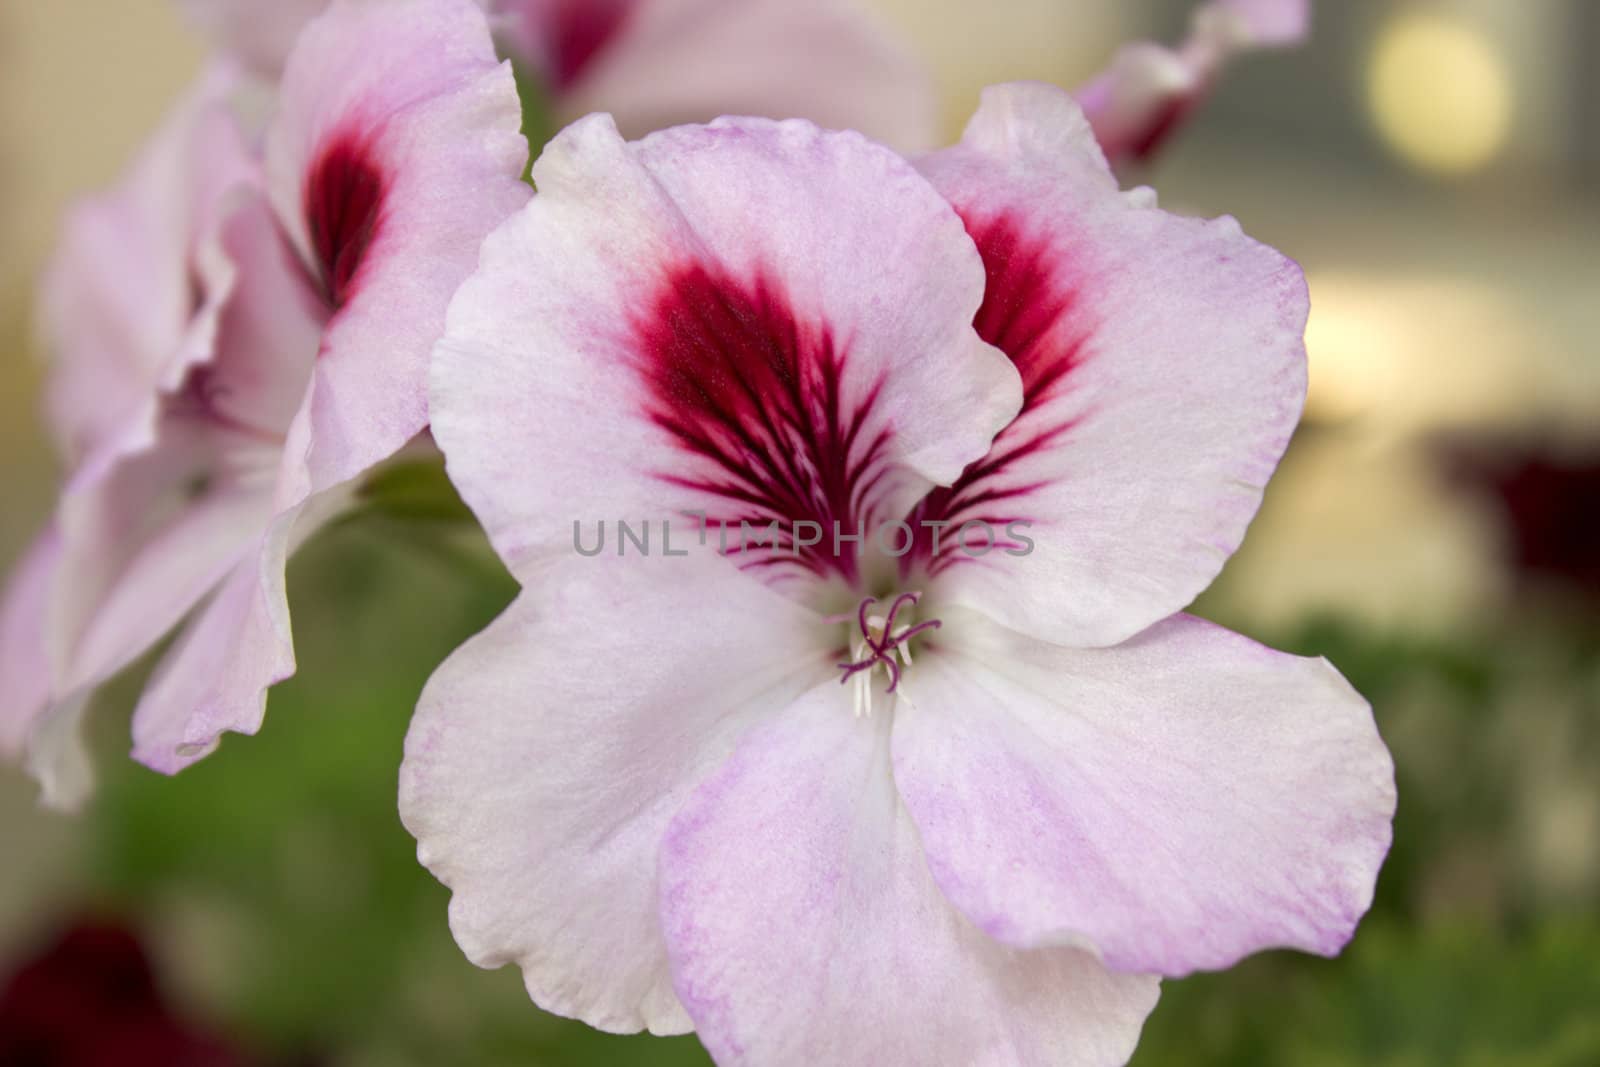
<point>880,648</point>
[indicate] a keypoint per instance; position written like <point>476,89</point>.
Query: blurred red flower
<point>1551,507</point>
<point>91,999</point>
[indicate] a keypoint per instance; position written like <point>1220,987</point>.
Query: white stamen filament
<point>861,682</point>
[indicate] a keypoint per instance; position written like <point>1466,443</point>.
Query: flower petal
<point>755,320</point>
<point>549,752</point>
<point>804,926</point>
<point>1272,22</point>
<point>1178,801</point>
<point>24,662</point>
<point>133,294</point>
<point>35,727</point>
<point>241,633</point>
<point>268,334</point>
<point>143,544</point>
<point>1149,91</point>
<point>666,62</point>
<point>261,34</point>
<point>57,755</point>
<point>1163,371</point>
<point>215,677</point>
<point>559,39</point>
<point>395,151</point>
<point>1143,96</point>
<point>155,532</point>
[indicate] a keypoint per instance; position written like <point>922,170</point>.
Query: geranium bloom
<point>1039,788</point>
<point>237,339</point>
<point>1149,90</point>
<point>652,63</point>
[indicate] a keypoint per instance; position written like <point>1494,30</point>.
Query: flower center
<point>880,640</point>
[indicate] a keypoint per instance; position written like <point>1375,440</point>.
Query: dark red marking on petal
<point>344,210</point>
<point>576,31</point>
<point>1036,317</point>
<point>758,399</point>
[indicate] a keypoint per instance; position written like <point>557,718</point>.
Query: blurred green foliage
<point>292,908</point>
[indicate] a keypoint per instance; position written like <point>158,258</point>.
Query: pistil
<point>878,642</point>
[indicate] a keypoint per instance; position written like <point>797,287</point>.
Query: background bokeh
<point>1435,530</point>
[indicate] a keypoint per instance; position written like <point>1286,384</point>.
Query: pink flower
<point>654,63</point>
<point>1149,91</point>
<point>1039,787</point>
<point>237,338</point>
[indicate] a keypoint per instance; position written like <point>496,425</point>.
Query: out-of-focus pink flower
<point>91,1000</point>
<point>644,782</point>
<point>261,34</point>
<point>232,353</point>
<point>136,287</point>
<point>1149,90</point>
<point>131,302</point>
<point>654,63</point>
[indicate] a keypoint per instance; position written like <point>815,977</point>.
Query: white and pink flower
<point>237,336</point>
<point>865,795</point>
<point>654,63</point>
<point>1040,788</point>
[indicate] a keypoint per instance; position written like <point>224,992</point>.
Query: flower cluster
<point>814,798</point>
